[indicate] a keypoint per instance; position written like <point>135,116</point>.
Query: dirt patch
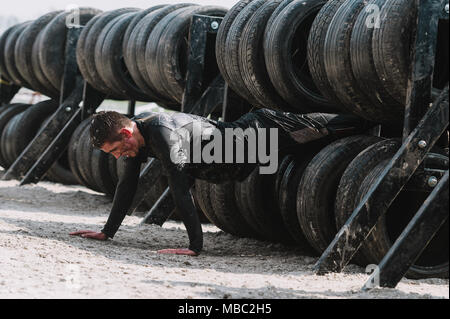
<point>40,260</point>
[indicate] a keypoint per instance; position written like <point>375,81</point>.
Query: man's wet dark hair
<point>105,127</point>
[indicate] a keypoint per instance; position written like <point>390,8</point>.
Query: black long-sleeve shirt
<point>163,135</point>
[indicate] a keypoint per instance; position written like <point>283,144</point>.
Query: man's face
<point>127,146</point>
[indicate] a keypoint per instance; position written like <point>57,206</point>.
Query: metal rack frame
<point>423,126</point>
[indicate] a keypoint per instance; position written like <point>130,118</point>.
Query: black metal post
<point>421,75</point>
<point>131,107</point>
<point>91,100</point>
<point>201,26</point>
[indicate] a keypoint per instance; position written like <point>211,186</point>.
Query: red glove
<point>90,234</point>
<point>178,251</point>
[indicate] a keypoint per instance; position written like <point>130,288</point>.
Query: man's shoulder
<point>151,117</point>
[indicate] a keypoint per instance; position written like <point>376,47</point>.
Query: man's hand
<point>90,234</point>
<point>179,251</point>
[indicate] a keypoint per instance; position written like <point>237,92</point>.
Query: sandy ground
<point>38,259</point>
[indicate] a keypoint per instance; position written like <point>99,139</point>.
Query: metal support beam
<point>380,196</point>
<point>161,211</point>
<point>131,107</point>
<point>421,75</point>
<point>201,27</point>
<point>65,112</point>
<point>411,243</point>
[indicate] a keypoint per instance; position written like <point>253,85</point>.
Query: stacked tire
<point>32,53</point>
<point>140,54</point>
<point>260,206</point>
<point>261,52</point>
<point>336,180</point>
<point>19,124</point>
<point>360,52</point>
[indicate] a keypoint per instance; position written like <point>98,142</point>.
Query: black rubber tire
<point>100,172</point>
<point>244,209</point>
<point>232,51</point>
<point>24,50</point>
<point>397,19</point>
<point>392,44</point>
<point>86,49</point>
<point>226,210</point>
<point>6,114</point>
<point>280,173</point>
<point>52,40</point>
<point>222,34</point>
<point>173,51</point>
<point>202,195</point>
<point>316,42</point>
<point>83,158</point>
<point>37,69</point>
<point>6,140</point>
<point>23,127</point>
<point>251,59</point>
<point>358,177</point>
<point>134,22</point>
<point>338,64</point>
<point>81,54</point>
<point>109,59</point>
<point>10,60</point>
<point>317,189</point>
<point>74,144</point>
<point>30,123</point>
<point>59,172</point>
<point>129,55</point>
<point>263,207</point>
<point>387,109</point>
<point>3,38</point>
<point>135,52</point>
<point>285,52</point>
<point>151,51</point>
<point>5,107</point>
<point>287,198</point>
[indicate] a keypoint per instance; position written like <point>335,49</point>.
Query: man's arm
<point>125,190</point>
<point>123,197</point>
<point>179,184</point>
